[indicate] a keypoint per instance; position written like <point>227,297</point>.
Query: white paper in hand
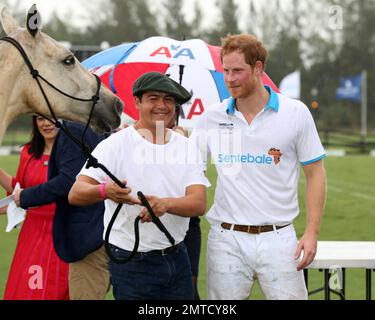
<point>15,214</point>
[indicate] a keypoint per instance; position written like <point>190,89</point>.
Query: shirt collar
<point>273,102</point>
<point>230,106</point>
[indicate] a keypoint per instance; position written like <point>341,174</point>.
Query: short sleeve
<point>309,146</point>
<point>105,156</point>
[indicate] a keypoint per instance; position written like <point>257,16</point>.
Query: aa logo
<point>36,280</point>
<point>173,52</point>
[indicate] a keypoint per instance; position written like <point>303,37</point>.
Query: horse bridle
<point>91,160</point>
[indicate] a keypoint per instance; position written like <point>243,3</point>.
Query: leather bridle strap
<point>35,74</point>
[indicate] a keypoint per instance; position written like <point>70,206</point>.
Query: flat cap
<point>156,81</point>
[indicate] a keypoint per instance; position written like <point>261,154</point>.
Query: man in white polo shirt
<point>257,140</point>
<point>155,160</point>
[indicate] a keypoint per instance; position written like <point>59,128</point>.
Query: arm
<point>69,161</point>
<point>191,205</point>
<point>315,200</point>
<point>85,191</point>
<point>6,181</point>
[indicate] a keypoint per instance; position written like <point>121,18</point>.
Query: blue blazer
<point>77,231</point>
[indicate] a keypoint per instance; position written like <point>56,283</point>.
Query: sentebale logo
<point>244,158</point>
<point>276,155</point>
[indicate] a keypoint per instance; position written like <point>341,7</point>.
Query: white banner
<point>290,85</point>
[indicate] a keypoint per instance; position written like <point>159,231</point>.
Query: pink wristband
<point>102,193</point>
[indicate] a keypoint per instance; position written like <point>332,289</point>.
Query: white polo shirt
<point>258,165</point>
<point>158,170</point>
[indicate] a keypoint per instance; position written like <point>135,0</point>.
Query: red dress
<point>37,273</point>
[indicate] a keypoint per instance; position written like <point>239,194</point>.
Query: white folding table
<point>334,255</point>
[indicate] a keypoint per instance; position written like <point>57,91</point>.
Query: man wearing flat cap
<point>151,158</point>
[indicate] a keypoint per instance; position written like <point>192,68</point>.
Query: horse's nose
<point>119,105</point>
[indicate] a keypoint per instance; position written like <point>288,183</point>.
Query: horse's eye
<point>69,61</point>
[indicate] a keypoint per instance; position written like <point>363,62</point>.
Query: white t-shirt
<point>256,185</point>
<point>158,170</point>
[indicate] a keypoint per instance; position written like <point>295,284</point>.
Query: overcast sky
<point>76,9</point>
<point>72,7</point>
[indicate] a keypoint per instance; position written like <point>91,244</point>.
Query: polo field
<point>349,215</point>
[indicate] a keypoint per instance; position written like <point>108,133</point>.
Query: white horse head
<point>19,92</point>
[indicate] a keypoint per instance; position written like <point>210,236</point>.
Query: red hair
<point>247,44</point>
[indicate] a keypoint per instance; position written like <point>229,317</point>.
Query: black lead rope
<point>155,220</point>
<point>146,204</point>
<point>91,160</point>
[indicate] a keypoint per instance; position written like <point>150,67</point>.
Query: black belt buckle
<point>169,250</point>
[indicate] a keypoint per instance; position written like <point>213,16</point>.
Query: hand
<point>308,243</point>
<point>17,197</point>
<point>159,205</point>
<point>120,195</point>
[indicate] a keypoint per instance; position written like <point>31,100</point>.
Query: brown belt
<point>251,229</point>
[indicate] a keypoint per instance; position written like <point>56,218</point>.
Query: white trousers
<point>235,259</point>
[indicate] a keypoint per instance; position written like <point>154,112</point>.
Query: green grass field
<point>349,215</point>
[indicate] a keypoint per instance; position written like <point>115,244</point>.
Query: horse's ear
<point>33,21</point>
<point>9,24</point>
